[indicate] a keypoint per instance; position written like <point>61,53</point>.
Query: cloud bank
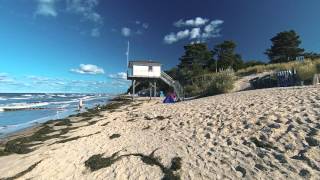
<point>88,69</point>
<point>46,8</point>
<point>119,75</point>
<point>198,21</point>
<point>85,9</point>
<point>201,29</point>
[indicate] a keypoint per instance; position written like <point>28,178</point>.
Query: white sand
<point>213,136</point>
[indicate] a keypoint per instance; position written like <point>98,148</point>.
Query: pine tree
<point>285,47</point>
<point>226,56</point>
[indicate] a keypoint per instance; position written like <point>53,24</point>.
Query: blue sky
<point>80,45</point>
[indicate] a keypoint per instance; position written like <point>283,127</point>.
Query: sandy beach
<point>258,134</point>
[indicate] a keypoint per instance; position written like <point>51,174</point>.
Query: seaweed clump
<point>73,138</point>
<point>114,136</point>
<point>63,122</point>
<point>97,162</point>
<point>23,172</point>
<point>23,145</point>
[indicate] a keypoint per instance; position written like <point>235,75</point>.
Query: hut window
<point>150,69</point>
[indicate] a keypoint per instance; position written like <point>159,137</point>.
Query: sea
<point>22,110</point>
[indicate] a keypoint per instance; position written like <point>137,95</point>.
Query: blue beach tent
<point>168,99</point>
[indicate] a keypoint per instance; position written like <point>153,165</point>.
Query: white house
<point>151,71</point>
<point>144,69</point>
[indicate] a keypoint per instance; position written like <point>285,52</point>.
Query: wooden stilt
<point>155,89</point>
<point>133,88</point>
<point>150,90</point>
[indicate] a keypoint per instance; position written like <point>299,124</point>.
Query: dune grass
<point>304,69</point>
<point>211,84</point>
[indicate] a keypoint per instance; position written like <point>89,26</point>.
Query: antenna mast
<point>127,53</point>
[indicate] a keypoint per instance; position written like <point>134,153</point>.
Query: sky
<point>80,45</point>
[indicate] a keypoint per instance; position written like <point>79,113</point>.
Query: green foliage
<point>221,82</point>
<point>211,84</point>
<point>197,53</point>
<point>194,62</point>
<point>252,63</point>
<point>226,56</point>
<point>192,90</point>
<point>285,47</point>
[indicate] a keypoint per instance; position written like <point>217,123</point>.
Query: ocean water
<point>19,111</point>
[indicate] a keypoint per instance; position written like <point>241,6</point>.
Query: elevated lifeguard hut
<point>147,70</point>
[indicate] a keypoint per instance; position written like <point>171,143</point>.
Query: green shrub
<point>191,90</point>
<point>211,84</point>
<point>222,82</point>
<point>318,68</point>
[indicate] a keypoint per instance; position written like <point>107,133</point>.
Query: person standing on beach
<point>80,104</point>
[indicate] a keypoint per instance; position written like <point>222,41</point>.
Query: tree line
<point>199,59</point>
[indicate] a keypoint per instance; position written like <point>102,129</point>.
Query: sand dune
<point>260,134</point>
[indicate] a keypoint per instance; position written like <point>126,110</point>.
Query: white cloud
<point>172,37</point>
<point>145,25</point>
<point>3,75</point>
<point>86,8</point>
<point>201,31</point>
<point>139,32</point>
<point>183,34</point>
<point>195,33</point>
<point>37,78</point>
<point>4,78</point>
<point>88,69</point>
<point>198,21</point>
<point>212,30</point>
<point>119,75</point>
<point>95,32</point>
<point>46,8</point>
<point>126,31</point>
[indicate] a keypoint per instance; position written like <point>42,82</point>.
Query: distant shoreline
<point>27,131</point>
<point>40,109</point>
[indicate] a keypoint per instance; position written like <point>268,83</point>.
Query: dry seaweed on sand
<point>114,136</point>
<point>74,138</point>
<point>23,172</point>
<point>97,162</point>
